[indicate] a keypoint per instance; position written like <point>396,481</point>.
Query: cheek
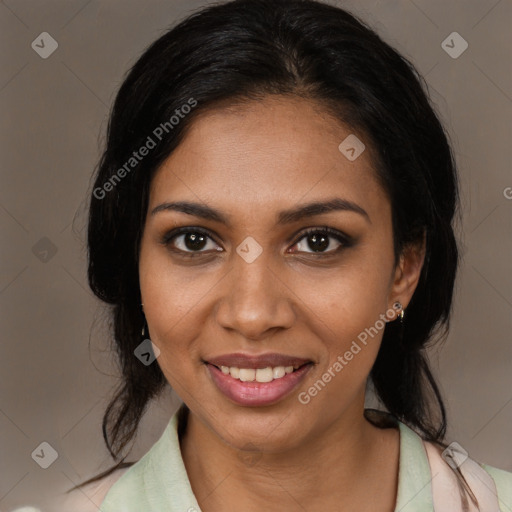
<point>351,338</point>
<point>352,333</point>
<point>169,302</point>
<point>171,294</point>
<point>350,318</point>
<point>353,296</point>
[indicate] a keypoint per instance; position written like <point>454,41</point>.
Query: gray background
<point>54,386</point>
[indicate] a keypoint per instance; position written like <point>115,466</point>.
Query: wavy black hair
<point>244,50</point>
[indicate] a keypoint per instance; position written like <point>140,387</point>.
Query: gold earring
<point>398,305</point>
<point>143,332</point>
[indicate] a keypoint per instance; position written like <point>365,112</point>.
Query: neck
<point>341,464</point>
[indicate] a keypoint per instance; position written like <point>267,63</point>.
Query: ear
<point>407,273</point>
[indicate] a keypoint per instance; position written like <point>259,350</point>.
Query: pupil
<point>194,241</point>
<point>321,241</point>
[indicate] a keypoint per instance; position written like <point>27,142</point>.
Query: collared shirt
<point>159,482</point>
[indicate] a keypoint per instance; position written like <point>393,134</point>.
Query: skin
<point>251,162</point>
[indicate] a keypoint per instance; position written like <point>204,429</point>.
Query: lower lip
<point>257,393</point>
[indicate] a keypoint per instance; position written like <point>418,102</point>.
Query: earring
<point>143,332</point>
<point>144,329</point>
<point>398,306</point>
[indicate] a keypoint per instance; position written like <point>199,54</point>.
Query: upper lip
<point>240,360</point>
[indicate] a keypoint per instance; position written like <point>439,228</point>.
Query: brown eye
<point>194,241</point>
<point>189,241</point>
<point>322,241</point>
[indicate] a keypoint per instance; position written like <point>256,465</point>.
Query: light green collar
<point>159,480</point>
<point>414,475</point>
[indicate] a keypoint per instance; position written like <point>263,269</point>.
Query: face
<point>245,279</point>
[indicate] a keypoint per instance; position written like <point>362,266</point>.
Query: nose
<point>255,300</point>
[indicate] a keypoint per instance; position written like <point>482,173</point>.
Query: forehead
<point>264,155</point>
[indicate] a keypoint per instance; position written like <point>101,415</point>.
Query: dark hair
<point>244,50</point>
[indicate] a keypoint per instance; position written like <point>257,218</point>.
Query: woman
<point>274,210</point>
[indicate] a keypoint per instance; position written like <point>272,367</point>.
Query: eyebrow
<point>284,217</point>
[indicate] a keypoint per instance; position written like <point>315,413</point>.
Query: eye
<point>321,239</point>
<point>189,241</point>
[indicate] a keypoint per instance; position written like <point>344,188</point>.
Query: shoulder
<point>503,481</point>
<point>489,482</point>
<point>89,497</point>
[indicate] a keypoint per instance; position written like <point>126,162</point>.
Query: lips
<point>240,360</point>
<point>280,375</point>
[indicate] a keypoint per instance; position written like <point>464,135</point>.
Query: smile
<point>265,385</point>
<point>267,374</point>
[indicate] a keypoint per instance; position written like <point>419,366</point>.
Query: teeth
<point>260,375</point>
<point>264,375</point>
<point>247,374</point>
<point>278,372</point>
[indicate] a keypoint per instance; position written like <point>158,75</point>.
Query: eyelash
<point>344,240</point>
